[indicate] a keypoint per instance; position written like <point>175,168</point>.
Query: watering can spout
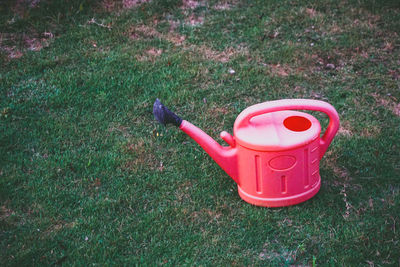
<point>224,156</point>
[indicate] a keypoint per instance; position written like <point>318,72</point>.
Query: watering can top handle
<point>294,104</point>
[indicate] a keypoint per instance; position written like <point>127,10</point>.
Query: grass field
<point>88,177</point>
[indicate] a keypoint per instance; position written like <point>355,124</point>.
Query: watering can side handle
<point>244,117</point>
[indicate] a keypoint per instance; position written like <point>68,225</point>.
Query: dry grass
<point>16,44</point>
<point>133,3</point>
<point>120,129</point>
<point>194,20</point>
<point>192,4</point>
<point>182,192</point>
<point>57,226</point>
<point>312,13</point>
<point>142,158</point>
<point>222,6</point>
<point>149,55</point>
<point>279,70</point>
<point>5,212</point>
<point>345,129</point>
<point>388,103</point>
<point>141,32</point>
<point>119,5</point>
<point>205,215</point>
<point>220,56</point>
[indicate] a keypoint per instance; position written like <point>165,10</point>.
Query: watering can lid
<point>277,131</point>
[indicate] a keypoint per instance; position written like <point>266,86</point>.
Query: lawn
<point>88,177</point>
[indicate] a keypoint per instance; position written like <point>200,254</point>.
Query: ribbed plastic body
<point>279,178</point>
<point>279,150</point>
<point>281,166</point>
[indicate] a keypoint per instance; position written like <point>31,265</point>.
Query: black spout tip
<point>164,115</point>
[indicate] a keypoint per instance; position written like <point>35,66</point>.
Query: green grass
<point>87,176</point>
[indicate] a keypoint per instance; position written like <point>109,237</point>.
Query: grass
<point>88,177</point>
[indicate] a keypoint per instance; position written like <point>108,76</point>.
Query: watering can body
<point>278,158</point>
<point>275,151</point>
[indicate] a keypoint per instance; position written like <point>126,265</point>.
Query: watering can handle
<point>294,104</point>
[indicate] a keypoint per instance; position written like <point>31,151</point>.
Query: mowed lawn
<point>88,177</point>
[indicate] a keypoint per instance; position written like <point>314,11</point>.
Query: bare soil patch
<point>311,12</point>
<point>14,45</point>
<point>194,20</point>
<point>222,6</point>
<point>118,5</point>
<point>141,32</point>
<point>388,103</point>
<point>192,4</point>
<point>133,3</point>
<point>225,5</point>
<point>150,54</point>
<point>345,129</point>
<point>220,56</point>
<point>5,212</point>
<point>142,157</point>
<point>279,70</point>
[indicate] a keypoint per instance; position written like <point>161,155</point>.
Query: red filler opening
<point>297,123</point>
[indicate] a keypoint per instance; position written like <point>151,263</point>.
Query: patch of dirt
<point>220,56</point>
<point>191,4</point>
<point>364,20</point>
<point>205,215</point>
<point>14,45</point>
<point>371,131</point>
<point>208,53</point>
<point>388,103</point>
<point>279,70</point>
<point>150,54</point>
<point>174,38</point>
<point>268,253</point>
<point>395,74</point>
<point>388,46</point>
<point>219,110</point>
<point>127,4</point>
<point>335,29</point>
<point>311,12</point>
<point>34,44</point>
<point>316,95</point>
<point>141,32</point>
<point>369,21</point>
<point>331,162</point>
<point>142,158</point>
<point>118,5</point>
<point>5,212</point>
<point>21,7</point>
<point>173,24</point>
<point>222,6</point>
<point>344,130</point>
<point>12,52</point>
<point>182,192</point>
<point>122,129</point>
<point>154,52</point>
<point>330,62</point>
<point>108,5</point>
<point>194,20</point>
<point>58,226</point>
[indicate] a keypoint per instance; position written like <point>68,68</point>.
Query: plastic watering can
<point>274,152</point>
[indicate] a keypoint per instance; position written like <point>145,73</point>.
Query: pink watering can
<point>274,152</point>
